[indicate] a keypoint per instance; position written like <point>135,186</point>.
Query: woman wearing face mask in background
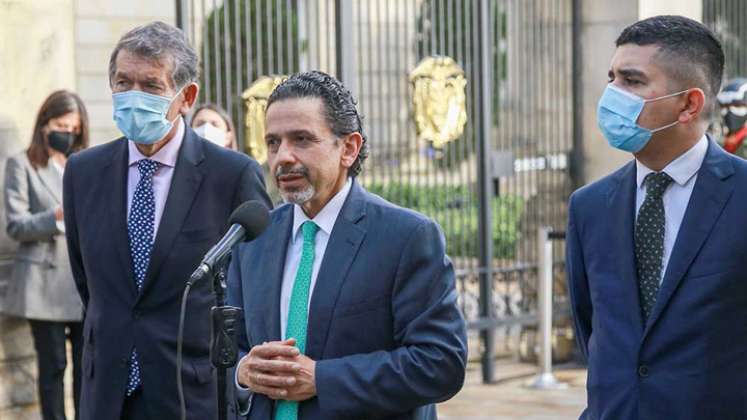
<point>41,288</point>
<point>213,123</point>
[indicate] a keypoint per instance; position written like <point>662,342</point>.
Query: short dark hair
<point>339,105</point>
<point>685,41</point>
<point>57,104</point>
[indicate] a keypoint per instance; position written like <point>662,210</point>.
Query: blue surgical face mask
<point>141,116</point>
<point>617,116</point>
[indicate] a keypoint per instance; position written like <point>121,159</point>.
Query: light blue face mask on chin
<point>617,116</point>
<point>141,116</point>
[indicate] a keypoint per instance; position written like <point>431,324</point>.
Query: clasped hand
<point>277,369</point>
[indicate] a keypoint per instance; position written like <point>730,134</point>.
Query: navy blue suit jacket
<point>208,183</point>
<point>689,360</point>
<point>384,326</point>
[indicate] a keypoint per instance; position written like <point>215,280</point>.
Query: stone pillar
<point>48,45</point>
<point>36,40</point>
<point>602,22</point>
<point>690,8</point>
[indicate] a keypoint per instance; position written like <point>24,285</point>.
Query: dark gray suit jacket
<point>209,182</point>
<point>41,285</point>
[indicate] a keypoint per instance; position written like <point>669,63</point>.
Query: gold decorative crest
<point>255,100</point>
<point>439,100</point>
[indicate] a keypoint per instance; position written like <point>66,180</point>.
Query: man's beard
<point>297,196</point>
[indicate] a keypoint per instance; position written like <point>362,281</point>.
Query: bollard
<point>545,379</point>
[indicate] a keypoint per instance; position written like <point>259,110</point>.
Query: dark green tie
<point>298,309</point>
<point>649,240</point>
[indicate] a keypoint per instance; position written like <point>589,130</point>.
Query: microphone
<point>247,222</point>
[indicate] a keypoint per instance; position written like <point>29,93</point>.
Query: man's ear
<point>695,101</point>
<point>189,93</point>
<point>351,146</point>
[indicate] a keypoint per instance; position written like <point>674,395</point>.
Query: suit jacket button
<point>137,314</point>
<point>643,371</point>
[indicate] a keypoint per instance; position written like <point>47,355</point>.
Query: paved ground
<point>509,399</point>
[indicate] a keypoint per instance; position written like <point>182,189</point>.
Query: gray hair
<point>159,41</point>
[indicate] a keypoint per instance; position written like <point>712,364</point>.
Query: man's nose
<point>285,153</point>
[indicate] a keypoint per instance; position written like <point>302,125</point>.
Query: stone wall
<point>48,45</point>
<point>36,40</point>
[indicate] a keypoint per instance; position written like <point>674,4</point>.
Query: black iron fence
<point>468,106</point>
<point>728,18</point>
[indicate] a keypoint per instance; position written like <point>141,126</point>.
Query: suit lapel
<point>117,169</point>
<point>264,290</point>
<point>185,183</point>
<point>344,242</point>
<point>51,180</point>
<point>621,203</point>
<point>711,192</point>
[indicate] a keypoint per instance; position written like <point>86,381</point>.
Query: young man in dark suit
<point>140,213</point>
<point>656,250</point>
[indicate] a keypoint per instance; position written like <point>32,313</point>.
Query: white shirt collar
<point>327,217</point>
<point>167,155</point>
<point>681,169</point>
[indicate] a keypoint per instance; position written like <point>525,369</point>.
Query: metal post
<point>345,51</point>
<point>577,153</point>
<point>182,17</point>
<point>179,14</point>
<point>545,379</point>
<point>484,193</point>
<point>303,36</point>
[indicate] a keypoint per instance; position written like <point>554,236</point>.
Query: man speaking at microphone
<point>350,301</point>
<point>140,213</point>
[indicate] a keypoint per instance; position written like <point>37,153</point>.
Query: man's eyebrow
<point>121,73</point>
<point>630,72</point>
<point>301,132</point>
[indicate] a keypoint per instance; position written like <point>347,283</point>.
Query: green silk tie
<point>298,314</point>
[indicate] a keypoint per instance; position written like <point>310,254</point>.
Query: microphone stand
<point>223,346</point>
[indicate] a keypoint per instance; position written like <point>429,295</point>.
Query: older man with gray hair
<point>140,212</point>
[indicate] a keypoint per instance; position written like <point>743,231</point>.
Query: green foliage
<point>454,208</point>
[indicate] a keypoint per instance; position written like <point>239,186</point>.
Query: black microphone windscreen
<point>253,216</point>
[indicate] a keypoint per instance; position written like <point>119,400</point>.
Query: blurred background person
<point>733,103</point>
<point>42,289</point>
<point>213,123</point>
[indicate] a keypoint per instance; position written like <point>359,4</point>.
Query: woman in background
<point>41,288</point>
<point>213,123</point>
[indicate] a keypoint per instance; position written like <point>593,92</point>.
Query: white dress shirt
<point>684,172</point>
<point>166,156</point>
<point>325,219</point>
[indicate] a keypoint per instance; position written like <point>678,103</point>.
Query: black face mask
<point>61,141</point>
